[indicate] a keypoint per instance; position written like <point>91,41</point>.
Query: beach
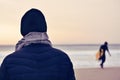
<point>83,58</point>
<point>112,73</point>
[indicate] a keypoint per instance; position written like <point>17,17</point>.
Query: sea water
<point>82,56</point>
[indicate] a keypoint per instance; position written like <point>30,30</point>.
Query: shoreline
<point>108,73</point>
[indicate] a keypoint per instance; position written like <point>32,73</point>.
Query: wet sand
<point>98,74</point>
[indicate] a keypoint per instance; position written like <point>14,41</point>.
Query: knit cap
<point>33,21</point>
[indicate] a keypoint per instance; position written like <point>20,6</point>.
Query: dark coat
<point>37,62</point>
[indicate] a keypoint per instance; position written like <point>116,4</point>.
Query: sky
<point>68,21</point>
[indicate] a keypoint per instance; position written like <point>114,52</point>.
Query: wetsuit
<point>103,49</point>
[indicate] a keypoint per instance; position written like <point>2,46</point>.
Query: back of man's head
<point>33,21</point>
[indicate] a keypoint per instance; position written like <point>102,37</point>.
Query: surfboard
<point>98,55</point>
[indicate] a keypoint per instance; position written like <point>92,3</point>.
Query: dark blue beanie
<point>33,21</point>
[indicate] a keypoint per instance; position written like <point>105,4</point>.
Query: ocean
<point>82,55</point>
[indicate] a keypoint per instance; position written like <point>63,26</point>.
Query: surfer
<point>103,49</point>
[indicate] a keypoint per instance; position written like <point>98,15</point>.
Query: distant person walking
<point>35,58</point>
<point>103,49</point>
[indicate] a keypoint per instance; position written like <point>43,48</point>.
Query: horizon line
<point>68,44</point>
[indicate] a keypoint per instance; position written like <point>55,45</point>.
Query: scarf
<point>33,37</point>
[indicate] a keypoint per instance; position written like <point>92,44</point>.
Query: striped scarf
<point>33,37</point>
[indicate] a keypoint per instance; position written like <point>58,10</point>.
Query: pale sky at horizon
<point>69,21</point>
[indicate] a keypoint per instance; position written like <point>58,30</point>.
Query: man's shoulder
<point>58,50</point>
